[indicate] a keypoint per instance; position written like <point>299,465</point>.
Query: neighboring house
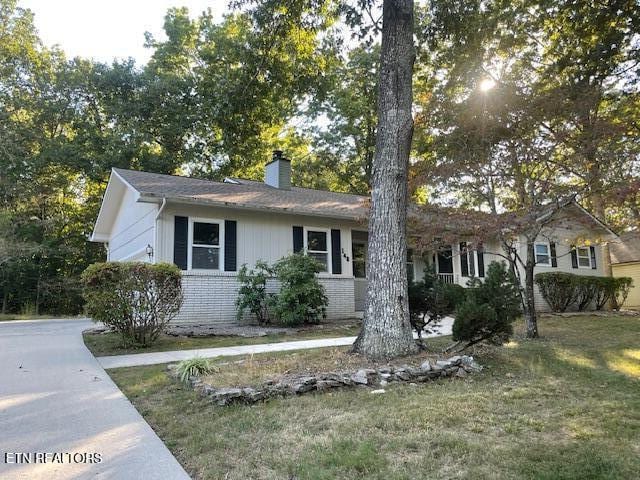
<point>210,229</point>
<point>625,262</point>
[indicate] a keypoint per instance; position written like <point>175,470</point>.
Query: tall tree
<point>343,148</point>
<point>525,115</point>
<point>386,330</point>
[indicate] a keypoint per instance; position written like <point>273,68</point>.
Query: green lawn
<point>111,343</point>
<point>563,407</point>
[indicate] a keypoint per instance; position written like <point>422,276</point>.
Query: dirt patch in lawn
<point>257,369</point>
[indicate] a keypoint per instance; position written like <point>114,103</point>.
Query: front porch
<point>454,264</point>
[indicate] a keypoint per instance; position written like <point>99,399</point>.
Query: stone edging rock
<point>458,366</point>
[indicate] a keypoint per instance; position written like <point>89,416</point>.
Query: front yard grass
<point>566,406</point>
<point>101,344</point>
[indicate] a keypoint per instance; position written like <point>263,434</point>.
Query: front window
<point>467,260</point>
<point>543,257</point>
<point>410,272</point>
<point>584,257</point>
<point>317,247</point>
<point>205,246</point>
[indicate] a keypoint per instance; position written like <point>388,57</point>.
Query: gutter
<point>287,211</point>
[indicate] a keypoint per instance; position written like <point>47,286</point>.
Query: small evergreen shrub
<point>134,298</point>
<point>194,367</point>
<point>253,295</point>
<point>490,308</point>
<point>430,300</point>
<point>454,295</point>
<point>301,298</point>
<point>475,322</point>
<point>559,289</point>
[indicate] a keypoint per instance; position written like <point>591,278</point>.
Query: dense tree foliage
<point>516,103</point>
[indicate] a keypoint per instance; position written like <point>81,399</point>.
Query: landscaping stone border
<point>458,366</point>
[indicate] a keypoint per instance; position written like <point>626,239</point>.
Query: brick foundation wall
<point>210,298</point>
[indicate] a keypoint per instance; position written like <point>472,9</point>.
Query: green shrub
<point>605,289</point>
<point>475,322</point>
<point>586,289</point>
<point>301,298</point>
<point>194,367</point>
<point>559,289</point>
<point>490,308</point>
<point>252,295</point>
<point>454,295</point>
<point>136,299</point>
<point>621,288</point>
<point>430,300</point>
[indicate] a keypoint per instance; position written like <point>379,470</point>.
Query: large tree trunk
<point>386,332</point>
<point>529,306</point>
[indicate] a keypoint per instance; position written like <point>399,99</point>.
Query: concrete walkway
<point>55,397</point>
<point>137,359</point>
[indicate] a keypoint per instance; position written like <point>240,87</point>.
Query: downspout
<point>155,236</point>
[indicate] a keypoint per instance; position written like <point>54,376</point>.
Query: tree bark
<point>386,331</point>
<point>529,306</point>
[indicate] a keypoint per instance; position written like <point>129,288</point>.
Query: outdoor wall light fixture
<point>149,251</point>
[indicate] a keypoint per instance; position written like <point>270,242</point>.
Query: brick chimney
<point>278,171</point>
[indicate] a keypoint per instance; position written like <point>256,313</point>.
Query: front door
<point>359,255</point>
<point>445,260</point>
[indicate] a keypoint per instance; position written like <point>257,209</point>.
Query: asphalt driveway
<point>56,399</point>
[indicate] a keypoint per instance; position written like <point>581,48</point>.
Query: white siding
<point>564,236</point>
<point>210,297</point>
<point>630,270</point>
<point>133,229</point>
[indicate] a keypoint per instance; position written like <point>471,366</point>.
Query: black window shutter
<point>298,242</point>
<point>180,240</point>
<point>592,250</point>
<point>554,259</point>
<point>336,252</point>
<point>230,246</point>
<point>574,257</point>
<point>464,259</point>
<point>480,254</point>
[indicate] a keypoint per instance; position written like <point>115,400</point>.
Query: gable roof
<point>248,194</point>
<point>626,249</point>
<point>254,195</point>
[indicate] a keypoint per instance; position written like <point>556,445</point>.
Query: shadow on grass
<point>562,407</point>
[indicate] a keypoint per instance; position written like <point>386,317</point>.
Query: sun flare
<point>487,84</point>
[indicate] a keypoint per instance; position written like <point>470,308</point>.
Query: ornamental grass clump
<point>194,367</point>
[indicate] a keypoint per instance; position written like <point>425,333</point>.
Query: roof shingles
<point>247,194</point>
<point>626,249</point>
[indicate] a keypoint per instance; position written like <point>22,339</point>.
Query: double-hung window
<point>543,254</point>
<point>317,246</point>
<point>204,250</point>
<point>410,266</point>
<point>584,257</point>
